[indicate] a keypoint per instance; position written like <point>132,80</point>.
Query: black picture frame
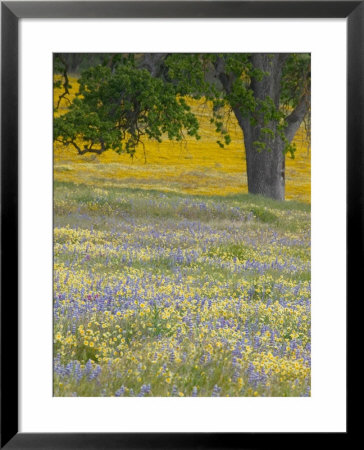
<point>11,12</point>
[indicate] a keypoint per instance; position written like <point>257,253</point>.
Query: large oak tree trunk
<point>266,167</point>
<point>265,161</point>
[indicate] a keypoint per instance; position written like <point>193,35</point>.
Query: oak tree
<point>131,96</point>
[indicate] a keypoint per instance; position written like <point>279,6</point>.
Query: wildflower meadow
<point>171,280</point>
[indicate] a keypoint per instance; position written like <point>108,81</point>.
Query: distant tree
<point>131,96</point>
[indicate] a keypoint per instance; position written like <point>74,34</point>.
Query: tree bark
<point>266,167</point>
<point>155,64</point>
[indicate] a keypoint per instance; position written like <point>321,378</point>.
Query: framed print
<point>158,184</point>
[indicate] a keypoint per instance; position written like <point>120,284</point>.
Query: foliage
<point>114,108</point>
<point>120,102</point>
<point>231,84</point>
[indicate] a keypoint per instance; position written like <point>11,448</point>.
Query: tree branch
<point>154,63</point>
<point>85,149</point>
<point>296,117</point>
<point>226,79</point>
<point>282,58</point>
<point>65,83</point>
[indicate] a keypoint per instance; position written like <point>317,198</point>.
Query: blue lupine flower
<point>120,392</point>
<point>174,391</point>
<point>216,391</point>
<point>144,390</point>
